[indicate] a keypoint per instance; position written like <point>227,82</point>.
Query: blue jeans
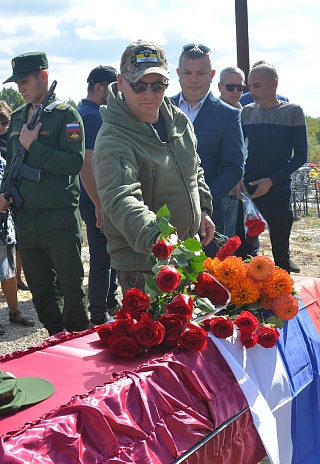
<point>102,287</point>
<point>230,203</point>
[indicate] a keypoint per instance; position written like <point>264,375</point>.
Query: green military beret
<point>27,63</point>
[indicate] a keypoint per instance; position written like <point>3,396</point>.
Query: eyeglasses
<point>191,46</point>
<point>4,123</point>
<point>231,87</point>
<point>140,87</point>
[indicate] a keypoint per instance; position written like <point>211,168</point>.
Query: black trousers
<point>275,208</point>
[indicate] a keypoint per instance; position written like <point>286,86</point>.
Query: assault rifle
<point>19,170</point>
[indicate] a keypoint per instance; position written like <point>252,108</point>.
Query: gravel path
<point>17,337</point>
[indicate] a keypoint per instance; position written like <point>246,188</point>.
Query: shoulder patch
<point>20,108</point>
<point>62,106</point>
<point>74,131</point>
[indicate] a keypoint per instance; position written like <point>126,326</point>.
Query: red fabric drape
<point>151,414</point>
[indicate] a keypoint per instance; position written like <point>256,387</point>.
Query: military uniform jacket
<point>58,151</point>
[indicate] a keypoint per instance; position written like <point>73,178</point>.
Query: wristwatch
<point>205,210</point>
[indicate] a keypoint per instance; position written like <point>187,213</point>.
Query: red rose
<point>168,279</point>
<point>246,322</point>
<point>193,338</point>
<point>124,346</point>
<point>148,332</point>
<point>172,338</point>
<point>105,331</point>
<point>173,326</point>
<point>162,249</point>
<point>181,305</point>
<point>208,287</point>
<point>171,323</point>
<point>221,326</point>
<point>267,336</point>
<point>122,325</point>
<point>135,302</point>
<point>206,322</point>
<point>248,339</point>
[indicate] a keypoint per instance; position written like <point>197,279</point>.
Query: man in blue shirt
<point>102,292</point>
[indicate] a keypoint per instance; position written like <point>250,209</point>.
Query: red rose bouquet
<point>189,295</point>
<point>176,297</point>
<point>254,222</point>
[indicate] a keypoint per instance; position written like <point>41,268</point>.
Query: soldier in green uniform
<point>48,221</point>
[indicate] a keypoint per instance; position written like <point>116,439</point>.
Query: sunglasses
<point>4,123</point>
<point>231,87</point>
<point>201,47</point>
<point>140,87</point>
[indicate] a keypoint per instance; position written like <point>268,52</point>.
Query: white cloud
<point>78,35</point>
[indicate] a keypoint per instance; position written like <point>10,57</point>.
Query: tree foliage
<point>12,97</point>
<point>313,128</point>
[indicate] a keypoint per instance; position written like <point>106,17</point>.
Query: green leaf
<point>192,244</point>
<point>205,305</point>
<point>275,322</point>
<point>163,213</point>
<point>181,259</point>
<point>163,225</point>
<point>150,283</point>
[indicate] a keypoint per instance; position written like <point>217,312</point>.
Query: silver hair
<point>231,69</point>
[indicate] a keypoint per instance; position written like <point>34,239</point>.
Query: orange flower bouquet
<point>262,298</point>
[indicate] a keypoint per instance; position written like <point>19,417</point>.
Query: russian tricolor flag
<point>282,384</point>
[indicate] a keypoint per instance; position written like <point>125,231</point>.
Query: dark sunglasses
<point>231,87</point>
<point>201,47</point>
<point>4,123</point>
<point>140,87</point>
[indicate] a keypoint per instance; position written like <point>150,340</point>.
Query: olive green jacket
<point>58,151</point>
<point>137,173</point>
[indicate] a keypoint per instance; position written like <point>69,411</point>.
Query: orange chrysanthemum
<point>285,307</point>
<point>277,284</point>
<point>230,271</point>
<point>260,267</point>
<point>209,265</point>
<point>246,291</point>
<point>266,302</point>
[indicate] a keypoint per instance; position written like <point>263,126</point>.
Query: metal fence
<point>305,197</point>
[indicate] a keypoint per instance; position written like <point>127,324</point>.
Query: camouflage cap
<point>27,63</point>
<point>141,58</point>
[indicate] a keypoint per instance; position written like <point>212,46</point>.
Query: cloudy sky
<point>78,35</point>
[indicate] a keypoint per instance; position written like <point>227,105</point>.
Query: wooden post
<point>241,10</point>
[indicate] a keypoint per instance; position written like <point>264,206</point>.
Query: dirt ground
<point>304,245</point>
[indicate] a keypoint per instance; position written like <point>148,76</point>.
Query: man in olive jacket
<point>145,157</point>
<point>49,222</point>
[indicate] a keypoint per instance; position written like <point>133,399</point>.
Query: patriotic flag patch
<point>74,132</point>
<point>146,56</point>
